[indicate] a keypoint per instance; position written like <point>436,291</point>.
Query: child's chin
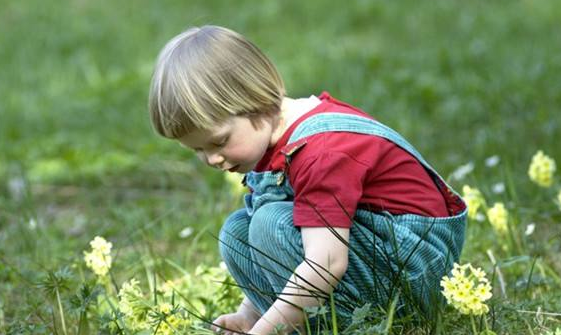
<point>235,169</point>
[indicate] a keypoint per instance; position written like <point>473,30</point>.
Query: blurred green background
<point>462,80</point>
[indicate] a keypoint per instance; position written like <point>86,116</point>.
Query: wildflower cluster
<point>99,258</point>
<point>133,306</point>
<point>467,289</point>
<point>161,313</point>
<point>139,313</point>
<point>167,320</point>
<point>474,200</point>
<point>542,169</point>
<point>498,217</point>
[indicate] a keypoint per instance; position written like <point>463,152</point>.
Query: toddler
<point>339,206</point>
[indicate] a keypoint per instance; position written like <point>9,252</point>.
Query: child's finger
<point>217,324</point>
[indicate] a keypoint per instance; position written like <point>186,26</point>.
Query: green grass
<point>461,80</point>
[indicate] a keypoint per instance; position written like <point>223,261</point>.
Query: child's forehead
<point>218,129</point>
<point>233,123</point>
<point>199,137</point>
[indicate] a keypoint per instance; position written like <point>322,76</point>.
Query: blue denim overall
<point>389,255</point>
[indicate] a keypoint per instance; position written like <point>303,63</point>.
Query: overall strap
<point>333,122</point>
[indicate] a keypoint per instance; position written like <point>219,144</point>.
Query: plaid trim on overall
<point>388,254</point>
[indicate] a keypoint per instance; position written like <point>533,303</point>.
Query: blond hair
<point>205,75</point>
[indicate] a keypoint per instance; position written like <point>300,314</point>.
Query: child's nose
<point>214,159</point>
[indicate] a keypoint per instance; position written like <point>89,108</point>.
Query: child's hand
<point>234,322</point>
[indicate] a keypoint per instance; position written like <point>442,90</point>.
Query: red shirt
<point>335,173</point>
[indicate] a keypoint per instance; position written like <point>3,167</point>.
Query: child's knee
<point>233,232</point>
<point>271,226</point>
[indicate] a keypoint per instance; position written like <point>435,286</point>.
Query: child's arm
<point>323,250</point>
<point>247,308</point>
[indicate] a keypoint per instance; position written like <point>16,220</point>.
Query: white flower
<point>186,232</point>
<point>462,171</point>
<point>530,229</point>
<point>32,224</point>
<point>498,188</point>
<point>480,217</point>
<point>492,161</point>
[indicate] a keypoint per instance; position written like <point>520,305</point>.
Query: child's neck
<point>293,109</point>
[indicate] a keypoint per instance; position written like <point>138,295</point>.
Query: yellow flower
<point>479,274</point>
<point>167,321</point>
<point>458,271</point>
<point>474,200</point>
<point>99,244</point>
<point>182,284</point>
<point>168,287</point>
<point>483,291</point>
<point>498,217</point>
<point>542,169</point>
<point>467,289</point>
<point>133,306</point>
<point>139,314</point>
<point>165,307</point>
<point>99,258</point>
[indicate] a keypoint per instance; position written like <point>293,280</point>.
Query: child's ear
<point>258,121</point>
<point>266,115</point>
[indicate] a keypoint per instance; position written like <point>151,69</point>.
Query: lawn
<point>473,84</point>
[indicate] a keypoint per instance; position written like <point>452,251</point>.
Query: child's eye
<point>221,143</point>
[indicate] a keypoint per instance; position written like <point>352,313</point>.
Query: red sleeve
<point>327,188</point>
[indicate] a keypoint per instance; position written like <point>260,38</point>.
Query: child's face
<point>235,146</point>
